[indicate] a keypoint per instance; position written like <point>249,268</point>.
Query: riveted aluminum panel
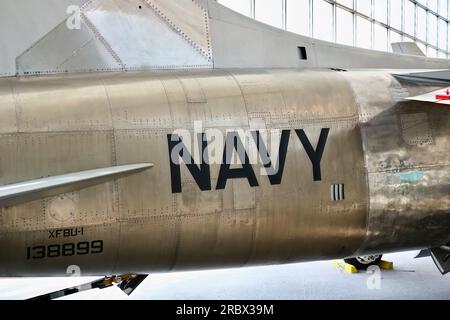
<point>406,148</point>
<point>124,35</point>
<point>145,227</point>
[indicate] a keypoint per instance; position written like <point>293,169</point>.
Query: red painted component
<point>445,96</point>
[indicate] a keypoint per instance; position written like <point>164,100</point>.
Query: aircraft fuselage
<point>358,169</point>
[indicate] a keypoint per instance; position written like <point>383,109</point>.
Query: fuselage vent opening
<point>302,53</point>
<point>338,70</point>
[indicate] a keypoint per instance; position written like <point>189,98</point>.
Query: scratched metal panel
<point>9,159</point>
<point>93,56</point>
<point>65,153</point>
<point>124,35</point>
<point>261,93</point>
<point>384,128</point>
<point>224,235</point>
<point>235,230</point>
<point>48,154</point>
<point>44,154</point>
<point>139,37</point>
<point>269,230</point>
<point>416,129</point>
<point>406,146</point>
<point>148,233</point>
<point>294,221</point>
<point>149,107</point>
<point>285,218</point>
<point>234,238</point>
<point>201,203</point>
<point>193,91</point>
<point>315,96</point>
<point>409,209</point>
<point>244,196</point>
<point>196,231</point>
<point>139,198</point>
<point>147,242</point>
<point>14,253</point>
<point>213,98</point>
<point>23,23</point>
<point>303,95</point>
<point>66,50</point>
<point>189,18</point>
<point>147,210</point>
<point>8,117</point>
<point>218,238</point>
<point>290,223</point>
<point>45,56</point>
<point>55,104</point>
<point>223,104</point>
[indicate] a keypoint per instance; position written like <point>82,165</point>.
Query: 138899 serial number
<point>65,250</point>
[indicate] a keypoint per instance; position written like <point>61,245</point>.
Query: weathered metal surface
<point>406,146</point>
<point>125,35</point>
<point>396,192</point>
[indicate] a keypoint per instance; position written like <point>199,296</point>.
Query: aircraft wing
<point>18,193</point>
<point>433,77</point>
<point>439,97</point>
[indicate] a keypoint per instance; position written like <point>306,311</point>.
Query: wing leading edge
<point>26,191</point>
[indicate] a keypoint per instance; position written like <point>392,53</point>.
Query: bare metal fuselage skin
<point>392,157</point>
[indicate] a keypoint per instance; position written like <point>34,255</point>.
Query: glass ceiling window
<point>409,14</point>
<point>323,20</point>
<point>381,10</point>
<point>269,11</point>
<point>372,24</point>
<point>396,15</point>
<point>344,27</point>
<point>298,17</point>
